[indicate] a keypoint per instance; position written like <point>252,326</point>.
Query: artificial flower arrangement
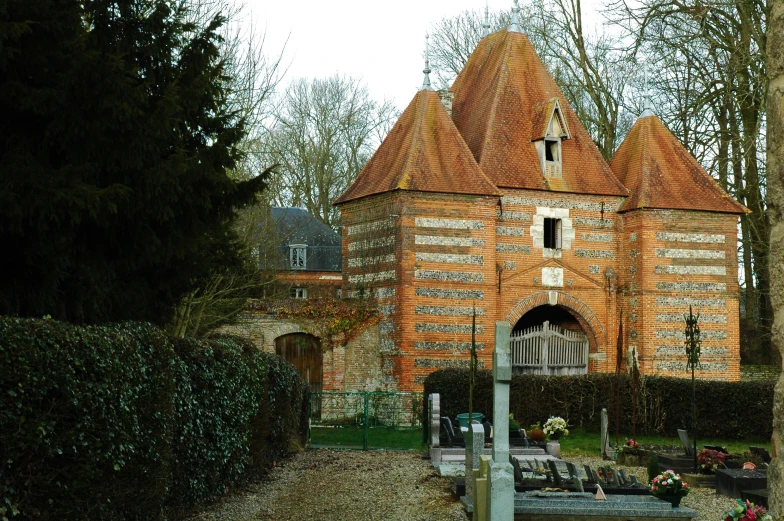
<point>709,460</point>
<point>632,444</point>
<point>668,483</point>
<point>747,511</point>
<point>555,428</point>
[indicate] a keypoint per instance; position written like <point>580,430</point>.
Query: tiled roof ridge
<point>645,170</point>
<point>504,76</point>
<point>416,133</point>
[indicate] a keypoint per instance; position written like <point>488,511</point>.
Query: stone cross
<point>434,402</point>
<point>500,499</point>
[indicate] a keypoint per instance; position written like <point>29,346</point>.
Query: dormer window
<point>549,131</point>
<point>298,256</point>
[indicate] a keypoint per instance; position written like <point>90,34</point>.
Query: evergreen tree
<point>115,141</point>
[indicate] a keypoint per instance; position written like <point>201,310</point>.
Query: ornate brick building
<point>492,197</point>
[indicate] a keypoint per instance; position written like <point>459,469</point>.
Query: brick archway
<point>587,318</point>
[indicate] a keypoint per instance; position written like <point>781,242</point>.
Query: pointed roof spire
<point>514,24</point>
<point>662,174</point>
<point>486,25</point>
<point>426,70</point>
<point>647,104</point>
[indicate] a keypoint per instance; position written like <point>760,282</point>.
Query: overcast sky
<point>381,42</point>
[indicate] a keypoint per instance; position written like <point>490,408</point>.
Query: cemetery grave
<point>535,486</point>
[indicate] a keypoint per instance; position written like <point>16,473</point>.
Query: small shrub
<point>536,435</point>
<point>653,466</point>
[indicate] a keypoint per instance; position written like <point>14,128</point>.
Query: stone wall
<point>346,366</point>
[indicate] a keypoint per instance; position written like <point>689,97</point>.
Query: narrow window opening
<point>551,151</point>
<point>552,233</point>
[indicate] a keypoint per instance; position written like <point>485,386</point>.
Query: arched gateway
<point>553,333</point>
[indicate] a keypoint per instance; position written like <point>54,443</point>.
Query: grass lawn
<point>351,437</point>
<point>582,443</point>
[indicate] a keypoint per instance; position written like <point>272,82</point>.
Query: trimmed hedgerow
<point>122,423</point>
<point>725,409</point>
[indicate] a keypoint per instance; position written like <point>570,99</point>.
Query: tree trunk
<point>775,175</point>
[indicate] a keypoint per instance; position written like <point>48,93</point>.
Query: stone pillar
<point>434,404</point>
<point>500,500</point>
<point>475,444</point>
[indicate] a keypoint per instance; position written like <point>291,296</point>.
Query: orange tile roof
<point>661,173</point>
<point>423,152</point>
<point>494,108</point>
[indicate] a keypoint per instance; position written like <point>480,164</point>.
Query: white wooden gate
<point>547,349</point>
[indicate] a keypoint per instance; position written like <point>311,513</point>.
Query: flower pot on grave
<point>553,448</point>
<point>675,501</point>
<point>462,419</point>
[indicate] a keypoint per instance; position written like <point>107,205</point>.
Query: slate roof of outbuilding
<point>494,107</point>
<point>661,173</point>
<point>424,152</point>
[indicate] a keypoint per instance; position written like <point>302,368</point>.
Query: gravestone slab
<point>434,402</point>
<point>475,445</point>
<point>731,482</point>
<point>688,446</point>
<point>605,448</point>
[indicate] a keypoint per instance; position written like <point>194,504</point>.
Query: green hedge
<point>728,410</point>
<point>121,422</point>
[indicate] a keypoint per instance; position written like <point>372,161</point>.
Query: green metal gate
<point>365,420</point>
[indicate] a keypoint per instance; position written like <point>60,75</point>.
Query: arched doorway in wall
<point>303,351</point>
<point>549,340</point>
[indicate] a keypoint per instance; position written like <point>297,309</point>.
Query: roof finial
<point>486,25</point>
<point>647,104</point>
<point>514,24</point>
<point>426,83</point>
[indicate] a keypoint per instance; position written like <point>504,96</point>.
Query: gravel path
<point>328,485</point>
<point>334,485</point>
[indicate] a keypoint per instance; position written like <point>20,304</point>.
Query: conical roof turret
<point>661,173</point>
<point>423,152</point>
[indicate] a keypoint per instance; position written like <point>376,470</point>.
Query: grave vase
<point>675,500</point>
<point>553,448</point>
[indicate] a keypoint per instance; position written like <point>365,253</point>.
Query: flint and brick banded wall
<point>588,254</point>
<point>682,258</point>
<point>448,267</point>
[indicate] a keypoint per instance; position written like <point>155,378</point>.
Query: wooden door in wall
<point>303,352</point>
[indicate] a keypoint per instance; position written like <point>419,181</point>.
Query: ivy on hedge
<point>726,410</point>
<point>121,422</point>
